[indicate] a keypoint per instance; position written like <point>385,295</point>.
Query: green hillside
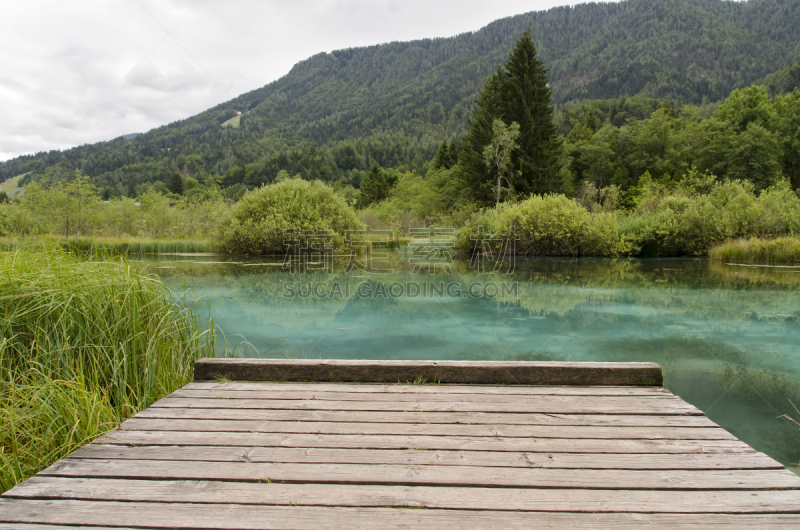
<point>335,114</point>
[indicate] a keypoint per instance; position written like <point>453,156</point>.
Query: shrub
<point>258,222</point>
<point>550,225</point>
<point>688,223</point>
<point>777,211</point>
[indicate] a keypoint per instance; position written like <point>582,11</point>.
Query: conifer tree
<point>447,156</point>
<point>375,188</point>
<point>516,92</point>
<point>175,184</point>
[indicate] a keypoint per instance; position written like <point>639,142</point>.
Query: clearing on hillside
<point>233,122</point>
<point>11,186</point>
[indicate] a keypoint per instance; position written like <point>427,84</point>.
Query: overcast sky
<point>80,72</point>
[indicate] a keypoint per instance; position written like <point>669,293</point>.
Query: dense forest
<point>335,115</point>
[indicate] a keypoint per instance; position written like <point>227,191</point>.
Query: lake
<point>727,336</point>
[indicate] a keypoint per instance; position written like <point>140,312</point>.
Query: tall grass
<point>110,245</point>
<point>83,346</point>
<point>778,250</point>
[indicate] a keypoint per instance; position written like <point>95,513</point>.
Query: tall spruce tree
<point>175,184</point>
<point>516,92</point>
<point>375,188</point>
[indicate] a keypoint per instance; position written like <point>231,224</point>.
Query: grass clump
<point>84,345</point>
<point>125,246</point>
<point>778,250</point>
<point>105,246</point>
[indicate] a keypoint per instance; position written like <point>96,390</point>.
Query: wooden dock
<point>604,447</point>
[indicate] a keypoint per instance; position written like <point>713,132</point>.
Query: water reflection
<point>727,337</point>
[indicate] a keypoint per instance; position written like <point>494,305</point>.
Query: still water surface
<point>727,336</point>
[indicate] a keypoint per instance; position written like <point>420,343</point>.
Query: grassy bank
<point>83,346</point>
<point>113,246</point>
<point>779,250</point>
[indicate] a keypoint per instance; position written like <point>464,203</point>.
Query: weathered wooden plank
<point>546,404</point>
<point>417,429</point>
<point>329,395</point>
<point>26,526</point>
<point>500,499</point>
<point>369,388</point>
<point>430,458</point>
<point>458,372</point>
<point>465,418</point>
<point>429,475</point>
<point>457,443</point>
<point>244,517</point>
<point>387,396</point>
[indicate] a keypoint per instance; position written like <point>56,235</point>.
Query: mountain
<point>335,114</point>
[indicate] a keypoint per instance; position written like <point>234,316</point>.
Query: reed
<point>778,250</point>
<point>84,345</point>
<point>108,245</point>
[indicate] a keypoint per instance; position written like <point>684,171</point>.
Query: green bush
<point>683,220</point>
<point>777,211</point>
<point>550,225</point>
<point>257,223</point>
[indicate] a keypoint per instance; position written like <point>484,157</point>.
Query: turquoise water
<point>727,336</point>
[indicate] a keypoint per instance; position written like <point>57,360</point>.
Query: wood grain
<point>422,429</point>
<point>452,443</point>
<point>455,372</point>
<point>395,388</point>
<point>545,404</point>
<point>429,475</point>
<point>461,418</point>
<point>397,397</point>
<point>243,517</point>
<point>530,500</point>
<point>431,458</point>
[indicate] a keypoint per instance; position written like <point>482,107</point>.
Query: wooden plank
<point>457,372</point>
<point>416,429</point>
<point>386,396</point>
<point>500,499</point>
<point>457,443</point>
<point>431,458</point>
<point>366,388</point>
<point>429,475</point>
<point>26,526</point>
<point>465,418</point>
<point>546,404</point>
<point>243,517</point>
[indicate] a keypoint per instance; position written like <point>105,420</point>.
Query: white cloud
<point>82,72</point>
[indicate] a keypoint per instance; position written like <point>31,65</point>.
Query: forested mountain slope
<point>334,114</point>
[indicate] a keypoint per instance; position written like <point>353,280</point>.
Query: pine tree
<point>516,92</point>
<point>447,155</point>
<point>175,184</point>
<point>375,188</point>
